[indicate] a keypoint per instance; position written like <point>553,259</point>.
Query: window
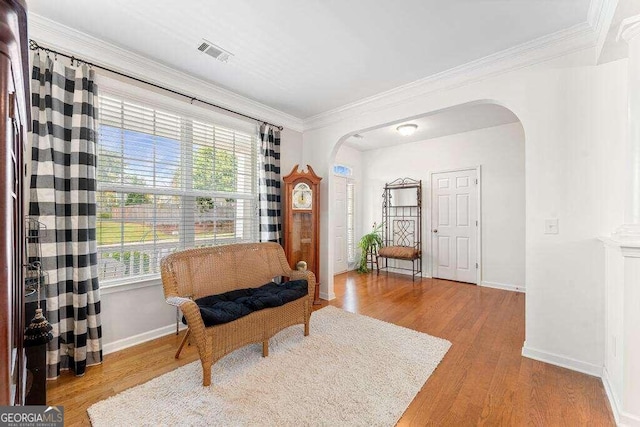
<point>342,170</point>
<point>166,183</point>
<point>351,232</point>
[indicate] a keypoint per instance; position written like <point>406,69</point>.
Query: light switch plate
<point>551,226</point>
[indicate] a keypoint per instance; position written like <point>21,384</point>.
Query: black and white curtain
<point>269,190</point>
<point>63,198</point>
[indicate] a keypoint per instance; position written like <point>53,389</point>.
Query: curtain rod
<point>33,45</point>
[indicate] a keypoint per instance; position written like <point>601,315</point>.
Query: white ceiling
<point>455,120</point>
<point>304,57</point>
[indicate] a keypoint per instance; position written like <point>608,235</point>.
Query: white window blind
<point>351,232</point>
<point>166,183</point>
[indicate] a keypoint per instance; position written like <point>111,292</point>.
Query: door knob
<point>435,230</point>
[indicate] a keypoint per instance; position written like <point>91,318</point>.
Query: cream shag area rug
<point>351,370</point>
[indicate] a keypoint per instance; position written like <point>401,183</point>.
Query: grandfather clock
<point>302,221</point>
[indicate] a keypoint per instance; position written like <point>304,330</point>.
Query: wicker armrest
<point>177,301</point>
<point>309,276</point>
<point>191,312</point>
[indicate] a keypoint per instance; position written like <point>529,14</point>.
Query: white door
<point>454,225</point>
<point>340,220</point>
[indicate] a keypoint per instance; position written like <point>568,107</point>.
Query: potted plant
<point>369,243</point>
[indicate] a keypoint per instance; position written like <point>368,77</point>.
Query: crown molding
<point>600,17</point>
<point>629,28</point>
<point>592,33</point>
<point>563,42</point>
<point>582,36</point>
<point>60,37</point>
<point>598,13</point>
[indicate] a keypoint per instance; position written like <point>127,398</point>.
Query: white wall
<point>290,150</point>
<point>500,152</point>
<point>564,113</point>
<point>610,129</point>
<point>134,315</point>
<point>351,157</point>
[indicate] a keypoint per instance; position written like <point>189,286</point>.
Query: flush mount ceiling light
<point>406,130</point>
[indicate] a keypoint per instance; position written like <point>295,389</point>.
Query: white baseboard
<point>611,395</point>
<point>326,296</point>
<point>504,286</point>
<point>403,271</point>
<point>140,338</point>
<point>562,361</point>
<point>622,418</point>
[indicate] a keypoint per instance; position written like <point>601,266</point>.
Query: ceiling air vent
<point>215,51</point>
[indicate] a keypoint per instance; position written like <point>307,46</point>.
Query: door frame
<point>333,234</point>
<point>430,239</point>
<point>350,179</point>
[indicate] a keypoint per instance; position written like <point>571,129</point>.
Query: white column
<point>621,375</point>
<point>630,33</point>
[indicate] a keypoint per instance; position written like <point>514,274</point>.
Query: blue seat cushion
<point>232,305</point>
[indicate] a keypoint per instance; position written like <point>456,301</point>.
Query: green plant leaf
<point>371,241</point>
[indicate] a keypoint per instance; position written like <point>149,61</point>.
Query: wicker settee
<point>196,273</point>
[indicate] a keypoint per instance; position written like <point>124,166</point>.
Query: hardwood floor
<point>483,379</point>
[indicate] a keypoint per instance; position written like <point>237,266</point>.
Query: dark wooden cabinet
<point>14,123</point>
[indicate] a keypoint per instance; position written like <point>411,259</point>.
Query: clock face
<point>302,196</point>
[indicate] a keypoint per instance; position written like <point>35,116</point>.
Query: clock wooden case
<point>302,221</point>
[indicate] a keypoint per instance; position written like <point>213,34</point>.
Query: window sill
<point>129,284</point>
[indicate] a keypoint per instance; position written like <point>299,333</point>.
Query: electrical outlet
<point>551,226</point>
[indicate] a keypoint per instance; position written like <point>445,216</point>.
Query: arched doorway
<point>482,135</point>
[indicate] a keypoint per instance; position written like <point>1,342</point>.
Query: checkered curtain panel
<point>63,198</point>
<point>269,176</point>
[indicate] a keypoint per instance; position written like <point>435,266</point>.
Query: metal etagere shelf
<point>402,224</point>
